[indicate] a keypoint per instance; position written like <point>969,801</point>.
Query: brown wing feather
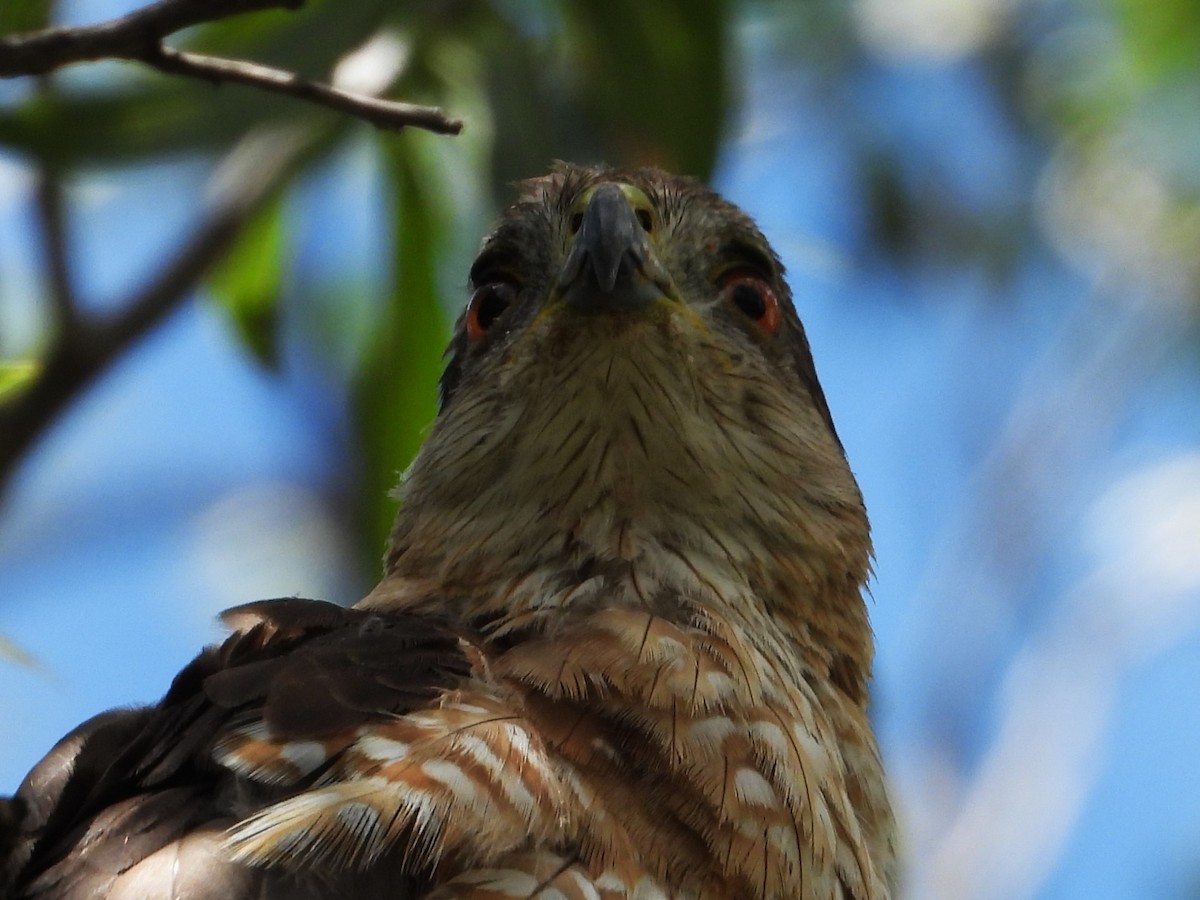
<point>129,796</point>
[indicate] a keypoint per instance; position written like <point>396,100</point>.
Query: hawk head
<point>630,411</point>
<point>589,246</point>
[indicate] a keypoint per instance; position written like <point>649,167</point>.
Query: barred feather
<point>470,777</point>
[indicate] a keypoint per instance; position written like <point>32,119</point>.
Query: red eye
<point>487,304</point>
<point>754,298</point>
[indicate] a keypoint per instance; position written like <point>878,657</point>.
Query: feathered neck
<point>619,479</point>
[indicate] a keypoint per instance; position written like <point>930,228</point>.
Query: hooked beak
<point>611,265</point>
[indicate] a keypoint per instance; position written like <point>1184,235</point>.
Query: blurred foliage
<point>14,375</point>
<point>15,654</point>
<point>395,396</point>
<point>249,283</point>
<point>627,83</point>
<point>1106,92</point>
<point>24,15</point>
<point>1111,88</point>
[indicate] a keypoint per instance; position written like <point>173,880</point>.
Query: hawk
<point>619,650</point>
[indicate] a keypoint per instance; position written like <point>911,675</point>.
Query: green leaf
<point>308,40</point>
<point>658,73</point>
<point>24,15</point>
<point>147,118</point>
<point>1163,36</point>
<point>15,375</point>
<point>622,82</point>
<point>396,396</point>
<point>16,654</point>
<point>248,282</point>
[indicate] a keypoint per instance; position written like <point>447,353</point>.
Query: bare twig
<point>127,37</point>
<point>138,37</point>
<point>83,351</point>
<point>380,113</point>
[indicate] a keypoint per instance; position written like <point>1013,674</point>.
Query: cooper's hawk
<point>619,650</point>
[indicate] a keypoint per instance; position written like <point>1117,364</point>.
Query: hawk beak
<point>611,265</point>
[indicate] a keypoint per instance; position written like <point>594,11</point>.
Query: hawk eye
<point>488,304</point>
<point>753,297</point>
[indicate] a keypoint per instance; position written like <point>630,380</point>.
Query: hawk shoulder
<point>247,723</point>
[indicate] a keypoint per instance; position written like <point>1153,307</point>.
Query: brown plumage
<point>619,649</point>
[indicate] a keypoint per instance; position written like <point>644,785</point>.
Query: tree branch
<point>138,37</point>
<point>380,113</point>
<point>83,349</point>
<point>127,37</point>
